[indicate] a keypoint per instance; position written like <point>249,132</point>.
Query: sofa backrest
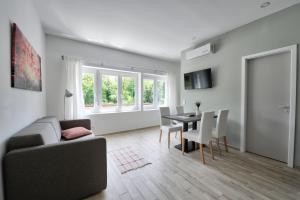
<point>54,123</point>
<point>37,133</point>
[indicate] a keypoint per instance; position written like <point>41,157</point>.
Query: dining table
<point>186,118</point>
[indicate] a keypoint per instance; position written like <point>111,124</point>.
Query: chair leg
<point>182,146</point>
<point>169,135</point>
<point>160,135</point>
<point>202,153</point>
<point>225,143</point>
<point>181,137</point>
<point>218,145</point>
<point>211,149</point>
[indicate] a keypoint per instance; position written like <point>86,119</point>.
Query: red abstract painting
<point>25,63</point>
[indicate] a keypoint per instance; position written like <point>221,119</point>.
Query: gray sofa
<point>38,164</point>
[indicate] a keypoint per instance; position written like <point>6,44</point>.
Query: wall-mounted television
<point>198,80</point>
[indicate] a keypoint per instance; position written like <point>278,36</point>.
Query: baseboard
<point>230,146</point>
<point>120,132</point>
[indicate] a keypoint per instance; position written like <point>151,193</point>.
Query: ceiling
<point>158,28</point>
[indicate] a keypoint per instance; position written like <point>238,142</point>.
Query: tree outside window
<point>88,89</point>
<point>106,90</point>
<point>109,91</point>
<point>148,91</point>
<point>128,92</point>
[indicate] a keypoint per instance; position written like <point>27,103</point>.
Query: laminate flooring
<point>174,176</point>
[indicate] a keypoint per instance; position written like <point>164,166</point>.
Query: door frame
<point>293,93</point>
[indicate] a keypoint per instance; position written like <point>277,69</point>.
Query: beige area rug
<point>128,159</point>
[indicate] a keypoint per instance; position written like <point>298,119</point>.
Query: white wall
<point>18,108</point>
<point>115,122</point>
<point>274,31</point>
<point>102,123</point>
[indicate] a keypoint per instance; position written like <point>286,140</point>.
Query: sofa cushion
<point>54,123</point>
<point>80,138</point>
<point>75,132</point>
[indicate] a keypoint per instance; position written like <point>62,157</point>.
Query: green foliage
<point>109,90</point>
<point>88,89</point>
<point>148,91</point>
<point>128,91</point>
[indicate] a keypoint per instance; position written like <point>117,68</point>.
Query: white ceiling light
<point>265,4</point>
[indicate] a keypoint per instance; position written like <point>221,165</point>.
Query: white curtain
<point>74,108</point>
<point>172,93</point>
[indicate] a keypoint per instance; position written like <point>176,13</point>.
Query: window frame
<point>155,79</point>
<point>89,70</point>
<point>136,95</point>
<point>98,72</point>
<point>166,91</point>
<point>101,107</point>
<point>153,105</point>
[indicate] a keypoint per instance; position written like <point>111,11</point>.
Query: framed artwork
<point>25,63</point>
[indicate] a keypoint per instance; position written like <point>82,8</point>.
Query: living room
<point>149,99</point>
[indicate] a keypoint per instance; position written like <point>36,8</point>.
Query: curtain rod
<point>131,68</point>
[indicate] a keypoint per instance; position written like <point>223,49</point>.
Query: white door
<point>268,97</point>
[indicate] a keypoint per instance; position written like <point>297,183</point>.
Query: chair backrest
<point>179,109</point>
<point>206,126</point>
<point>221,127</point>
<point>164,111</point>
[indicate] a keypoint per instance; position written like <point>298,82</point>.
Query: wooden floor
<point>171,175</point>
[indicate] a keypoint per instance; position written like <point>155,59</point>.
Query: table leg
<point>188,146</point>
<point>194,125</point>
<point>185,127</point>
<point>194,146</point>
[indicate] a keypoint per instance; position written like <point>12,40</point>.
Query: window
<point>88,84</point>
<point>129,85</point>
<point>154,91</point>
<point>148,94</point>
<point>107,90</point>
<point>161,92</point>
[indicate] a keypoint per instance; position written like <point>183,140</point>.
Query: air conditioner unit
<point>200,51</point>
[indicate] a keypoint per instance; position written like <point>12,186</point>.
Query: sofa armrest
<point>67,170</point>
<point>24,141</point>
<point>66,124</point>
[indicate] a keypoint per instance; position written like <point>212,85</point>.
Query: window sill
<point>115,112</point>
<point>150,109</point>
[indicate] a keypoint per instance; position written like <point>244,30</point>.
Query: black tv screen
<point>198,79</point>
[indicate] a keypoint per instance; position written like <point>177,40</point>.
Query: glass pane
<point>148,86</point>
<point>88,80</point>
<point>109,92</point>
<point>161,92</point>
<point>128,93</point>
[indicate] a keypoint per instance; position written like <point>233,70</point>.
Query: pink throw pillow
<point>76,132</point>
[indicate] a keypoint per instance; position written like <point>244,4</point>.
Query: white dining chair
<point>177,122</point>
<point>221,129</point>
<point>166,125</point>
<point>203,134</point>
<point>180,110</point>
